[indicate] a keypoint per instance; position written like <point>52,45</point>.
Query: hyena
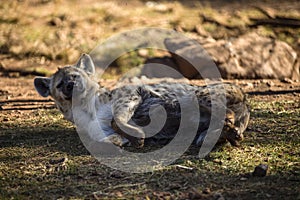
<point>121,113</point>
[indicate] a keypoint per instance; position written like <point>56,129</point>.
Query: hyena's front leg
<point>84,110</point>
<point>123,109</point>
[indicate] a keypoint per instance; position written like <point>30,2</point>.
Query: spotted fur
<point>123,112</point>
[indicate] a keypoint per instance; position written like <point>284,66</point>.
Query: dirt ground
<point>42,157</point>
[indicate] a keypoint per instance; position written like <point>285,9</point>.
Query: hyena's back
<point>167,95</point>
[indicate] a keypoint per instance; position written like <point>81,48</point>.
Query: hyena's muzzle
<point>66,86</point>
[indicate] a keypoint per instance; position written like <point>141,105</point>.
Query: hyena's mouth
<point>67,90</point>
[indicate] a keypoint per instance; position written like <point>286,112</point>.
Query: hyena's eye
<point>60,85</point>
<point>74,76</point>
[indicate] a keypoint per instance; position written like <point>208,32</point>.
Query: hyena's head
<point>60,85</point>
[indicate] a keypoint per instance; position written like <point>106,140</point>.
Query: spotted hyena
<point>123,112</point>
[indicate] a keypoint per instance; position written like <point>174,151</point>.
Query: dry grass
<point>42,156</point>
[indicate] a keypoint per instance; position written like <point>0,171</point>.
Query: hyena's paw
<point>114,138</point>
<point>230,131</point>
<point>137,142</point>
<point>232,135</point>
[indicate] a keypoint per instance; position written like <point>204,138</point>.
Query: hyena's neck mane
<point>104,95</point>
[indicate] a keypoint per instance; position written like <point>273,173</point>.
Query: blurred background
<point>36,36</point>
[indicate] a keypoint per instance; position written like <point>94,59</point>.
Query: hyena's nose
<point>70,86</point>
<point>68,90</point>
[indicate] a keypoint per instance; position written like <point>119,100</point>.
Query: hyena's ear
<point>86,63</point>
<point>42,86</point>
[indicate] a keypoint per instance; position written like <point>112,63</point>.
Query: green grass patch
<point>42,155</point>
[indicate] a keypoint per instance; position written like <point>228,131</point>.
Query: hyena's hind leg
<point>231,123</point>
<point>229,131</point>
<point>123,109</point>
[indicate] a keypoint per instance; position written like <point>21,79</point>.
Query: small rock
<point>270,83</point>
<point>260,170</point>
<point>42,60</point>
<point>14,74</point>
<point>158,7</point>
<point>287,80</point>
<point>218,161</point>
<point>249,85</point>
<point>119,194</point>
<point>3,92</point>
<point>206,191</point>
<point>143,53</point>
<point>55,22</point>
<point>57,161</point>
<point>16,49</point>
